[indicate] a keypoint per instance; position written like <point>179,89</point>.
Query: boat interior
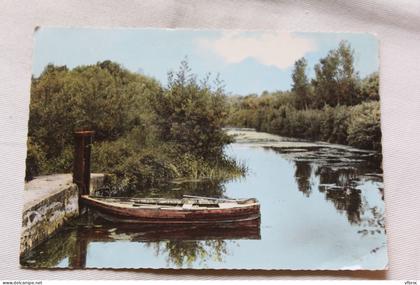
<point>185,203</point>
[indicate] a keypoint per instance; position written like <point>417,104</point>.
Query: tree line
<point>335,106</point>
<point>145,133</point>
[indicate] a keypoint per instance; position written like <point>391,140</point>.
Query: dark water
<point>321,208</point>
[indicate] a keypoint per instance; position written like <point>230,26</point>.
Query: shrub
<point>357,125</point>
<point>340,125</point>
<point>144,133</point>
<point>35,159</point>
<point>364,129</point>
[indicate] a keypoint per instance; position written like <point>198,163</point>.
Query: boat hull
<point>176,216</point>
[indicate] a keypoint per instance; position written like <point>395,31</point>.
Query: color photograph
<point>203,149</point>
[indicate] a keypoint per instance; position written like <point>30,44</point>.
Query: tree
<point>369,89</point>
<point>325,80</point>
<point>347,76</point>
<point>335,80</point>
<point>104,97</point>
<point>301,85</point>
<point>191,114</point>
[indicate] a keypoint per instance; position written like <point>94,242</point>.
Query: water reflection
<point>181,253</point>
<point>321,207</point>
<point>303,172</point>
<point>339,178</point>
<point>348,201</point>
<point>182,244</point>
<point>339,173</point>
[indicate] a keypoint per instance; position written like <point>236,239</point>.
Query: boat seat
<point>148,206</point>
<point>227,205</point>
<point>187,206</point>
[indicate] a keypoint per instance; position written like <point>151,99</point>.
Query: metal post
<point>81,167</point>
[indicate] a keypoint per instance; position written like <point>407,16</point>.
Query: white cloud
<point>268,48</point>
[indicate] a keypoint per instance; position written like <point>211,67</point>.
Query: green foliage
<point>334,124</point>
<point>355,125</point>
<point>335,80</point>
<point>364,126</point>
<point>35,159</point>
<point>331,108</point>
<point>301,86</point>
<point>191,114</point>
<point>136,168</point>
<point>144,133</point>
<point>370,87</point>
<point>88,97</point>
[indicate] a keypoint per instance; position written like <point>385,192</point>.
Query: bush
<point>364,129</point>
<point>134,168</point>
<point>191,114</point>
<point>62,163</point>
<point>144,133</point>
<point>131,167</point>
<point>35,159</point>
<point>340,125</point>
<point>327,123</point>
<point>357,125</point>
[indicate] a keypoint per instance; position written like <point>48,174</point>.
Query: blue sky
<point>247,61</point>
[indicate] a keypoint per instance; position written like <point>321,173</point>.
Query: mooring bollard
<point>81,167</point>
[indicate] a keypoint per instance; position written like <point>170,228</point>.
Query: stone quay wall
<point>49,202</point>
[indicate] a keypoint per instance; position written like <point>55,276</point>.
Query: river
<point>322,207</point>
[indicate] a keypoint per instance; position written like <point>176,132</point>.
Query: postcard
<point>204,149</point>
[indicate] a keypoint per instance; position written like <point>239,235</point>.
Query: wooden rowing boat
<point>188,210</point>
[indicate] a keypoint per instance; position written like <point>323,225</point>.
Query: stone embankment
<point>50,201</point>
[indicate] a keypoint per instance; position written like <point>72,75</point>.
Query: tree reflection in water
<point>347,200</point>
<point>340,173</point>
<point>183,245</point>
<point>303,172</point>
<point>375,224</point>
<point>344,178</point>
<point>339,187</point>
<point>185,253</point>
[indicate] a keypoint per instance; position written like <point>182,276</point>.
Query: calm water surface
<point>321,208</point>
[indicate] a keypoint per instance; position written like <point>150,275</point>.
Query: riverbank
<point>250,136</point>
<point>356,125</point>
<point>49,202</point>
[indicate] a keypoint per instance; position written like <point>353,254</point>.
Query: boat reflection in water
<point>183,244</point>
